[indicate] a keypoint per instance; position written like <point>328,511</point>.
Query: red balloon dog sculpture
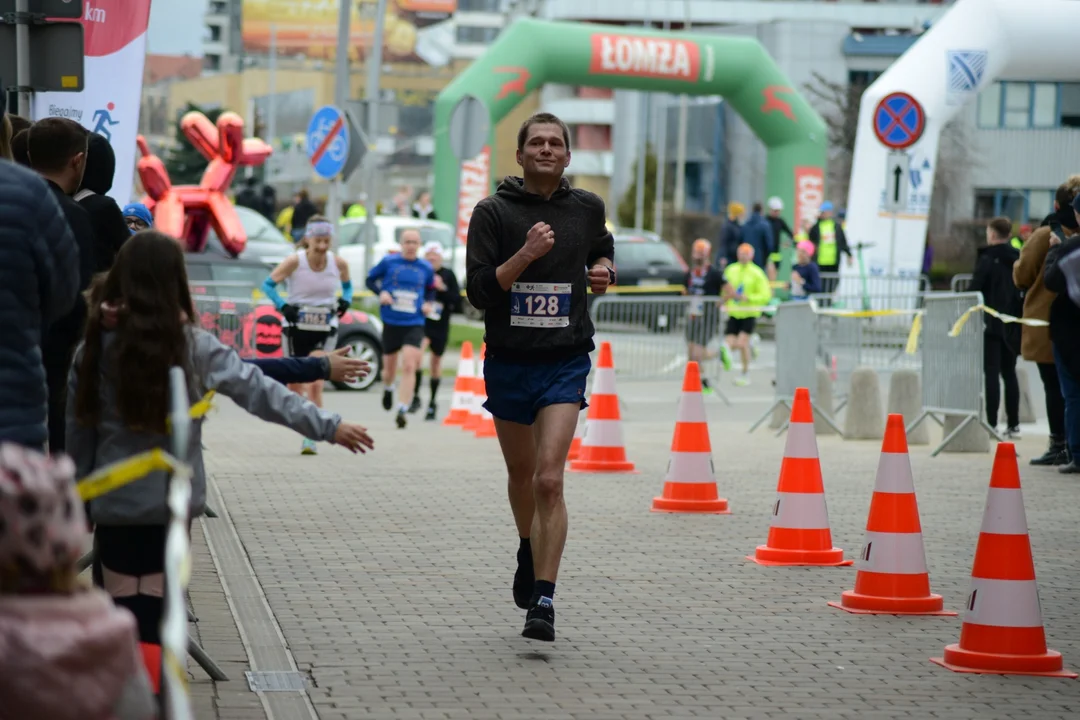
<point>188,212</point>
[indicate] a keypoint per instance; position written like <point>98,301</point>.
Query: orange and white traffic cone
<point>575,444</point>
<point>602,447</point>
<point>800,534</point>
<point>479,390</point>
<point>485,426</point>
<point>690,483</point>
<point>892,578</point>
<point>1003,631</point>
<point>461,400</point>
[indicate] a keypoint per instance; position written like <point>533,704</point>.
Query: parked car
<point>229,303</point>
<point>389,229</point>
<point>647,266</point>
<point>265,243</point>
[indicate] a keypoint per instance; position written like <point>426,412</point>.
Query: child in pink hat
<point>805,275</point>
<point>66,652</point>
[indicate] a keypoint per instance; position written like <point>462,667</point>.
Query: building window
<point>863,78</point>
<point>468,34</point>
<point>1018,205</point>
<point>1029,105</point>
<point>488,6</point>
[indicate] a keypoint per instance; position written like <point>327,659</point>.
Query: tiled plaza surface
<point>389,578</point>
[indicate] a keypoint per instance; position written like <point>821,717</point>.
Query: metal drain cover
<point>276,681</point>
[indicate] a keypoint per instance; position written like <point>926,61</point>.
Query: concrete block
<point>824,400</point>
<point>1027,409</point>
<point>973,439</point>
<point>905,398</point>
<point>864,416</point>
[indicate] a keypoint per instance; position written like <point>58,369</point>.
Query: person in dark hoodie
<point>110,230</point>
<point>993,277</point>
<point>534,248</point>
<point>57,149</point>
<point>758,234</point>
<point>1061,274</point>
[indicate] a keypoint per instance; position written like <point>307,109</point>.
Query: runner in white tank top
<point>310,316</point>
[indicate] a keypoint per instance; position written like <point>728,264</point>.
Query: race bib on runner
<point>697,306</point>
<point>405,301</point>
<point>540,305</point>
<point>316,319</point>
<point>435,314</point>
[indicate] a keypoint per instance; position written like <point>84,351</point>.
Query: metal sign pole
<point>22,50</point>
<point>374,77</point>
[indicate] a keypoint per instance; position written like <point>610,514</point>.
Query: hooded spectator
<point>110,231</point>
<point>249,195</point>
<point>138,217</point>
<point>730,235</point>
<point>758,234</point>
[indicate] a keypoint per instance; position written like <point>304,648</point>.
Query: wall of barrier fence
<point>960,282</point>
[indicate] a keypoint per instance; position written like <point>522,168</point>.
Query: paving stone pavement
<point>389,575</point>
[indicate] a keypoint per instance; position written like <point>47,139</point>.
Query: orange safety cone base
<point>1048,664</point>
<point>765,555</point>
<point>858,604</point>
<point>602,466</point>
<point>458,419</point>
<point>719,506</point>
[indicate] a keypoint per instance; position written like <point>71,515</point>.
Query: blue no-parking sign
<point>328,141</point>
<point>899,121</point>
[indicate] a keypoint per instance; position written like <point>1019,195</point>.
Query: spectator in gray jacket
<point>39,279</point>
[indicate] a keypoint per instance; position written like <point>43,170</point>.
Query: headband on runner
<point>319,229</point>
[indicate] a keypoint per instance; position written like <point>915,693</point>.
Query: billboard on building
<point>415,30</point>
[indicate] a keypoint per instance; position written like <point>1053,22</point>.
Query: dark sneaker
<point>387,399</point>
<point>540,622</point>
<point>1055,454</point>
<point>524,579</point>
<point>1012,433</point>
<point>401,419</point>
<point>415,405</point>
<point>1073,468</point>
<point>430,415</point>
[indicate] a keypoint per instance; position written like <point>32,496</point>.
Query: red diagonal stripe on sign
<point>321,150</point>
<point>897,119</point>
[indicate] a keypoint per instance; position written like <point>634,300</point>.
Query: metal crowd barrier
<point>960,282</point>
<point>796,360</point>
<point>952,372</point>
<point>874,292</point>
<point>649,336</point>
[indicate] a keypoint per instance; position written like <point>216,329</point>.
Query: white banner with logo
<point>115,46</point>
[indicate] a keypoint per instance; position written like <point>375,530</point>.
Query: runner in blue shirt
<point>405,284</point>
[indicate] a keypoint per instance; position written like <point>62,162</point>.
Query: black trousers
<point>1055,403</point>
<point>999,361</point>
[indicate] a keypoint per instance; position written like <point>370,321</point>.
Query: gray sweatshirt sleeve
<point>223,371</point>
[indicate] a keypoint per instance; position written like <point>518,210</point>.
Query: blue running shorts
<point>516,392</point>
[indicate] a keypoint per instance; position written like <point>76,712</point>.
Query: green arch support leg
<point>531,52</point>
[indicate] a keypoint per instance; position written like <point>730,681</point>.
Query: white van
<point>351,235</point>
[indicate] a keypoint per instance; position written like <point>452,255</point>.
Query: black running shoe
<point>540,622</point>
<point>401,419</point>
<point>430,414</point>
<point>387,399</point>
<point>415,405</point>
<point>1056,454</point>
<point>524,579</point>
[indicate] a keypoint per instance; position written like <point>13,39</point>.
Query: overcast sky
<point>176,27</point>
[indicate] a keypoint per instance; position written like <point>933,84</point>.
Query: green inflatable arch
<point>531,52</point>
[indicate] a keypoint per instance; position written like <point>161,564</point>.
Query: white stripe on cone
<point>895,553</point>
<point>894,474</point>
<point>690,468</point>
<point>691,408</point>
<point>604,381</point>
<point>1004,603</point>
<point>800,511</point>
<point>1004,513</point>
<point>801,441</point>
<point>603,433</point>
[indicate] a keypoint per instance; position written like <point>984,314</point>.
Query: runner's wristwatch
<point>611,275</point>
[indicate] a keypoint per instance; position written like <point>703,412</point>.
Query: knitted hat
<point>42,524</point>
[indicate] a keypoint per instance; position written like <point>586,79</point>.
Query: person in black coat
<point>1001,342</point>
<point>303,209</point>
<point>39,282</point>
<point>1061,274</point>
<point>110,230</point>
<point>58,150</point>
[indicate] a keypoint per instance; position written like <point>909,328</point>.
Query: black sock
<point>435,389</point>
<point>524,556</point>
<point>542,589</point>
<point>419,381</point>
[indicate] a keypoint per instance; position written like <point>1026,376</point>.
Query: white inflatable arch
<point>975,43</point>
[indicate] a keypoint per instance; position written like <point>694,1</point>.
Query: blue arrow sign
<point>328,141</point>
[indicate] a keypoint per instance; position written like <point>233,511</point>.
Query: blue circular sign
<point>328,141</point>
<point>899,121</point>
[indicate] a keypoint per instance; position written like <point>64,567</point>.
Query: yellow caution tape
<point>175,669</point>
<point>913,335</point>
<point>119,474</point>
<point>198,411</point>
<point>1030,322</point>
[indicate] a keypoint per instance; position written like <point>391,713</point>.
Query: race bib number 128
<point>540,305</point>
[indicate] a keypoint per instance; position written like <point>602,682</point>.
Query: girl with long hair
<point>139,326</point>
